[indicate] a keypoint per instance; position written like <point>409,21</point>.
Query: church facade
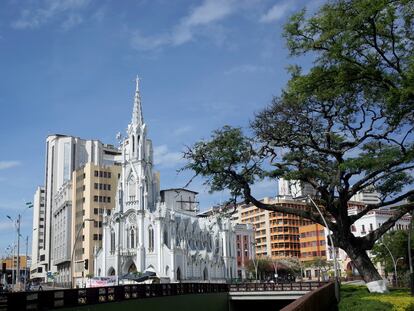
<point>160,231</point>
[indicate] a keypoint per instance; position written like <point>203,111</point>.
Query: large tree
<point>343,126</point>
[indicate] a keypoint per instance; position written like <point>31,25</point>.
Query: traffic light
<point>86,262</point>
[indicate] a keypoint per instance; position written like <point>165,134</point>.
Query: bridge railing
<point>257,287</point>
<point>69,298</point>
<point>322,298</point>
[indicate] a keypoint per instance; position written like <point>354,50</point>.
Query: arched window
<point>150,239</point>
<point>132,237</point>
<point>166,238</point>
<point>112,241</point>
<point>133,143</point>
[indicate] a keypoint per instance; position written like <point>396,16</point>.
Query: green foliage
<point>397,242</point>
<point>263,265</point>
<point>355,298</point>
<point>319,262</point>
<point>228,153</point>
<point>343,126</point>
<point>363,45</point>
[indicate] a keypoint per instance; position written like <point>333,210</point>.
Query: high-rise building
<point>37,269</point>
<point>367,196</point>
<point>64,154</point>
<point>93,195</point>
<point>276,234</point>
<point>312,242</point>
<point>291,189</point>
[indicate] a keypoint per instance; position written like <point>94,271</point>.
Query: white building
<point>37,271</point>
<point>64,154</point>
<point>159,231</point>
<point>291,189</point>
<point>366,196</point>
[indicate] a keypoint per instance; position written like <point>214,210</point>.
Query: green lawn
<point>356,298</point>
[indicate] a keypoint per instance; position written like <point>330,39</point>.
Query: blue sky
<point>68,66</point>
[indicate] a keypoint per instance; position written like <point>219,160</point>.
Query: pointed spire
<point>137,118</point>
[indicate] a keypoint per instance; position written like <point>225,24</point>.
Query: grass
<point>355,298</point>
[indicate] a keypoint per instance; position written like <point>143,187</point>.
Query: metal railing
<point>70,298</point>
<point>257,287</point>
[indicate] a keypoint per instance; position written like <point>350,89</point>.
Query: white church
<point>160,231</point>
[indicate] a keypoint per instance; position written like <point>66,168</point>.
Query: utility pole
<point>25,270</point>
<point>18,252</point>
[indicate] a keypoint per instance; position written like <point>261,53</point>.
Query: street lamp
<point>17,224</point>
<point>254,258</point>
<point>394,263</point>
<point>332,245</point>
<point>74,245</point>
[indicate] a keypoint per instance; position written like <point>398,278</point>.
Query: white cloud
<point>72,21</point>
<point>48,10</point>
<point>163,157</point>
<point>277,12</point>
<point>209,12</point>
<point>246,68</point>
<point>8,164</point>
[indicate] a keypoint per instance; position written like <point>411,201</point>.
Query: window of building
<point>132,237</point>
<point>112,241</point>
<point>95,198</point>
<point>95,211</point>
<point>166,238</point>
<point>109,199</point>
<point>371,227</point>
<point>150,239</point>
<point>96,174</point>
<point>363,228</point>
<point>95,237</point>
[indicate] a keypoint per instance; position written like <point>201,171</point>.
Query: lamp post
<point>332,245</point>
<point>255,264</point>
<point>73,249</point>
<point>394,263</point>
<point>17,224</point>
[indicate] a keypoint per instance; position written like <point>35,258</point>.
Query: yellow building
<point>93,194</point>
<point>11,262</point>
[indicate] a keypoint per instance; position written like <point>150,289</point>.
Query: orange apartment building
<point>276,234</point>
<point>312,242</point>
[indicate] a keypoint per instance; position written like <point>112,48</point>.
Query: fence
<point>257,287</point>
<point>322,298</point>
<point>70,298</point>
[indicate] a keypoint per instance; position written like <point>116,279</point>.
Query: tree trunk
<point>364,265</point>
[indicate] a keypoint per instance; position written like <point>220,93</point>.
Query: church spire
<point>137,118</point>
